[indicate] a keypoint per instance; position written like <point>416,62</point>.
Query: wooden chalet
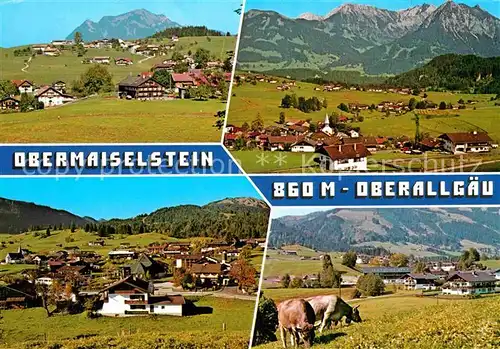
<point>141,87</point>
<point>9,103</point>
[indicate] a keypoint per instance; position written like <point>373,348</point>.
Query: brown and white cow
<point>296,317</point>
<point>332,308</point>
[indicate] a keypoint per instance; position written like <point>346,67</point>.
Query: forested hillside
<point>229,218</point>
<point>440,229</point>
<point>187,31</point>
<point>466,73</point>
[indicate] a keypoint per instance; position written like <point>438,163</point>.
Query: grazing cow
<point>296,316</point>
<point>332,308</point>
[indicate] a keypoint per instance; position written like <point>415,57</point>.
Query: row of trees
<point>301,103</point>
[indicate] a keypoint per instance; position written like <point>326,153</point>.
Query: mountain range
<point>239,217</point>
<point>378,41</point>
<point>135,24</point>
<point>434,230</point>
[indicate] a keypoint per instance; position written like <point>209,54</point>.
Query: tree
<point>223,88</point>
<point>28,102</point>
<point>294,101</point>
<point>325,103</point>
<point>187,281</point>
<point>282,117</point>
<point>286,102</point>
<point>78,38</point>
<point>47,232</point>
<point>329,277</point>
<point>202,92</point>
<point>245,127</point>
<point>246,252</point>
<point>370,285</point>
<point>398,260</point>
<point>349,259</point>
<point>244,274</point>
<point>343,107</point>
<point>412,103</point>
<point>296,282</point>
<point>163,77</point>
<point>73,227</point>
<point>177,56</point>
<point>258,123</point>
<point>96,79</point>
<point>201,57</point>
<point>442,105</point>
<point>266,321</point>
<point>285,281</point>
<point>419,267</point>
<point>7,89</point>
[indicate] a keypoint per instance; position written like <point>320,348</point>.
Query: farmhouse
<point>182,80</point>
<point>419,281</point>
<point>144,267</point>
<point>50,97</point>
<point>466,142</point>
<point>24,86</point>
<point>464,283</point>
<point>390,275</point>
<point>344,157</point>
<point>9,103</point>
<point>123,61</point>
<point>282,142</point>
<point>51,51</point>
<point>59,86</point>
<point>304,146</point>
<point>132,296</point>
<point>62,42</point>
<point>121,254</point>
<point>142,87</point>
<point>101,60</point>
<point>209,274</point>
<point>39,48</point>
<point>20,294</point>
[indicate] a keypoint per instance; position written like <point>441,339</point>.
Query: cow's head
<point>306,333</point>
<point>355,314</point>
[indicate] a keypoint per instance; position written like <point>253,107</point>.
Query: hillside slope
<point>365,37</point>
<point>340,229</point>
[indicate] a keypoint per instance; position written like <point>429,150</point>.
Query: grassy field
<point>278,265</point>
<point>417,322</point>
<point>32,325</point>
<point>263,99</point>
<point>102,120</point>
<point>68,67</point>
<point>491,263</point>
<point>59,239</point>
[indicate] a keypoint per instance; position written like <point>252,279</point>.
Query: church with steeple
<point>326,129</point>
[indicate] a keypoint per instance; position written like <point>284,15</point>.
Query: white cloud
<point>7,2</point>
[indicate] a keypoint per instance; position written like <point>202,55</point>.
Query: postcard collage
<point>249,173</point>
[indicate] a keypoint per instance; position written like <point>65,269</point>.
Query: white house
<point>52,97</point>
<point>304,146</point>
<point>14,258</point>
<point>465,283</point>
<point>344,157</point>
<point>419,282</point>
<point>24,86</point>
<point>121,254</point>
<point>133,297</point>
<point>354,134</point>
<point>466,142</point>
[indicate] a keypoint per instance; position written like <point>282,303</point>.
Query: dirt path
<point>27,65</point>
<point>145,59</point>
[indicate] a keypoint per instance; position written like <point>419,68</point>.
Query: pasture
<point>68,66</point>
<point>111,120</point>
<point>29,326</point>
<point>278,265</point>
<point>404,322</point>
<point>264,99</point>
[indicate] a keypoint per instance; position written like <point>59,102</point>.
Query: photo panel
<point>332,86</point>
<point>131,262</point>
<point>116,71</point>
<point>380,278</point>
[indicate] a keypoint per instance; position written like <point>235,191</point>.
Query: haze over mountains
<point>135,24</point>
<point>432,229</point>
<point>246,212</point>
<point>365,37</point>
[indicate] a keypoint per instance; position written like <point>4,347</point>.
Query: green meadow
<point>264,99</point>
<point>31,328</point>
<point>68,66</point>
<point>108,119</point>
<point>407,321</point>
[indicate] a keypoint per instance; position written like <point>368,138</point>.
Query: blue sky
<point>36,21</point>
<point>123,197</point>
<point>293,8</point>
